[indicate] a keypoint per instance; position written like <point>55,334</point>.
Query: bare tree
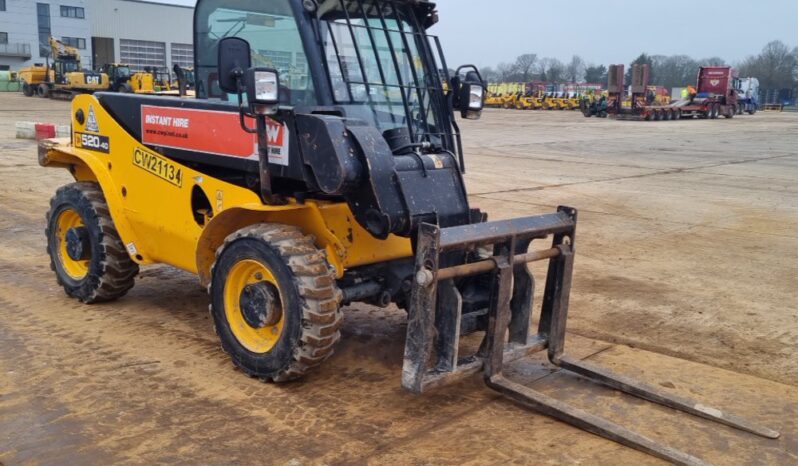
<point>575,70</point>
<point>551,70</point>
<point>524,65</point>
<point>489,74</point>
<point>712,61</point>
<point>505,71</point>
<point>776,67</point>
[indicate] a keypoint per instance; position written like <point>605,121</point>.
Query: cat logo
<point>91,121</point>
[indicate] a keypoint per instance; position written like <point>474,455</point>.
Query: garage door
<point>142,53</point>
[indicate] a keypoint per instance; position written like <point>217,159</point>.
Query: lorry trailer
<point>716,95</point>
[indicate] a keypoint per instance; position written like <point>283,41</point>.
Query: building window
<point>2,5</point>
<point>43,18</point>
<point>142,53</point>
<point>76,42</point>
<point>72,12</point>
<point>3,37</point>
<point>183,55</point>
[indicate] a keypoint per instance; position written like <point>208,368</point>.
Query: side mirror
<point>234,60</point>
<point>469,95</point>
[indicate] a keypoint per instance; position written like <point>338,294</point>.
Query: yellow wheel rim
<point>76,269</point>
<point>244,273</point>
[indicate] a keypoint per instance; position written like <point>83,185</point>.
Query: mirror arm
<point>241,111</point>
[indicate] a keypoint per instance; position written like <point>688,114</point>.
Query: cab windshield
<point>379,62</point>
<point>273,36</point>
<point>378,72</point>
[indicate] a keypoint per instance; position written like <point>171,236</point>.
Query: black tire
<point>657,115</point>
<point>126,88</point>
<point>752,111</point>
<point>27,90</point>
<point>715,111</point>
<point>730,112</point>
<point>43,91</point>
<point>666,115</point>
<point>677,114</point>
<point>110,271</point>
<point>309,301</point>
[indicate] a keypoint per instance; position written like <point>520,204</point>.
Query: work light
<point>263,86</point>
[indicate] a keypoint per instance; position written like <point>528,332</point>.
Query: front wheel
<point>43,90</point>
<point>274,302</point>
<point>27,90</point>
<point>88,257</point>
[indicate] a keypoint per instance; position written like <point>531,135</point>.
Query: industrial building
<point>26,25</point>
<point>137,32</point>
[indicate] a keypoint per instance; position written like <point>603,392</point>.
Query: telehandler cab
<point>329,173</point>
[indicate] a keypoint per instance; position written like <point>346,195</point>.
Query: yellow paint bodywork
<point>154,216</point>
<point>142,83</point>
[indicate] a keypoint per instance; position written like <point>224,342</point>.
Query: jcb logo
<point>93,80</point>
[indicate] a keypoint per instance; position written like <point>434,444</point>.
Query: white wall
<point>20,22</point>
<point>141,20</point>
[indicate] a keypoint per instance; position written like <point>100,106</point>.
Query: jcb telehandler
<point>335,179</point>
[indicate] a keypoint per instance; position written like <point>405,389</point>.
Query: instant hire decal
<point>210,132</point>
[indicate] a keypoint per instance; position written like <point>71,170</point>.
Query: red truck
<point>715,96</point>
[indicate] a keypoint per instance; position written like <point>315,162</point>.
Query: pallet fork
<point>431,353</point>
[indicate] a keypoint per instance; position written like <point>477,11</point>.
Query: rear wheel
<point>657,115</point>
<point>274,302</point>
<point>730,112</point>
<point>677,114</point>
<point>88,257</point>
<point>27,90</point>
<point>666,115</point>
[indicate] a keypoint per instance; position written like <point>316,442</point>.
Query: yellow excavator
<point>292,198</point>
<point>63,77</point>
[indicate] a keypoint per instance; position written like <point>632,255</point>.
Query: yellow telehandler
<point>334,178</point>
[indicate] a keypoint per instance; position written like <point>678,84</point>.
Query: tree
<point>524,65</point>
<point>551,70</point>
<point>596,74</point>
<point>712,61</point>
<point>575,70</point>
<point>775,67</point>
<point>642,59</point>
<point>489,74</point>
<point>505,71</point>
<point>676,71</point>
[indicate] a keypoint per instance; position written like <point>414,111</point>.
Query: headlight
<point>475,97</point>
<point>263,86</point>
<point>266,89</point>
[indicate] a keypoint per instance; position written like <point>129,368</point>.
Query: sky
<point>608,31</point>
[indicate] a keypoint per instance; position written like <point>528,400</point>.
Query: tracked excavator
<point>333,177</point>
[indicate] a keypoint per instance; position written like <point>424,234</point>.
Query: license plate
<point>159,166</point>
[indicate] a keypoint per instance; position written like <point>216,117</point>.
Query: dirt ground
<point>686,276</point>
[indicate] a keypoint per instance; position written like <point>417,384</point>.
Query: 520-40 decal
<point>159,166</point>
<point>93,142</point>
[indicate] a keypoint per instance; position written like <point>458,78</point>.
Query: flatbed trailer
<point>705,108</point>
<point>715,96</point>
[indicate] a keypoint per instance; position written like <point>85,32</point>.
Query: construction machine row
<point>63,77</point>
